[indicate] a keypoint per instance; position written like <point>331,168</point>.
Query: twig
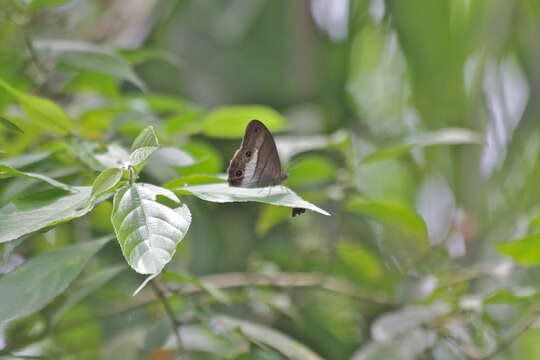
<point>175,323</point>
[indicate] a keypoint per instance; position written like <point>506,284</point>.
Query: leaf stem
<point>175,322</point>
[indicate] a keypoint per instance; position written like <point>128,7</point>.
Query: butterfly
<point>256,163</point>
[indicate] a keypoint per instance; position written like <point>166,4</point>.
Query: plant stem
<point>175,323</point>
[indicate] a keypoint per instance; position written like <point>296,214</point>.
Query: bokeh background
<point>414,123</point>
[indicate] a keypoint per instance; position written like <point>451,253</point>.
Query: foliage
<point>408,130</point>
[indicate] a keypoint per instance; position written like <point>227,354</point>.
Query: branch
<point>283,279</point>
<point>175,323</point>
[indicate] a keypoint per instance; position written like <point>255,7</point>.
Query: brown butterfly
<point>256,163</point>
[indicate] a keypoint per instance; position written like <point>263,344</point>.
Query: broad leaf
<point>89,56</point>
<point>311,170</point>
<point>42,209</point>
<point>148,231</point>
<point>525,251</point>
<point>43,112</point>
<point>85,287</point>
<point>290,348</point>
<point>447,136</point>
<point>275,195</point>
<point>231,121</point>
<point>106,181</point>
<point>37,282</point>
<point>8,171</point>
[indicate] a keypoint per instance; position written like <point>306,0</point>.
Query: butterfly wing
<point>256,163</point>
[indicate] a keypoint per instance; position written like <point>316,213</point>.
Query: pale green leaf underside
<point>7,172</point>
<point>45,208</point>
<point>275,195</point>
<point>37,282</point>
<point>106,181</point>
<point>147,137</point>
<point>148,231</point>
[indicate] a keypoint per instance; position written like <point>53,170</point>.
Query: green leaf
<point>89,56</point>
<point>8,171</point>
<point>115,156</point>
<point>525,251</point>
<point>361,262</point>
<point>275,195</point>
<point>31,286</point>
<point>7,248</point>
<point>231,121</point>
<point>446,136</point>
<point>37,5</point>
<point>405,218</point>
<point>146,138</point>
<point>10,125</point>
<point>289,347</point>
<point>85,287</point>
<point>311,170</point>
<point>42,209</point>
<point>106,181</point>
<point>43,112</point>
<point>148,231</point>
<point>141,155</point>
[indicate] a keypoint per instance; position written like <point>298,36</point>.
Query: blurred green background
<point>414,123</point>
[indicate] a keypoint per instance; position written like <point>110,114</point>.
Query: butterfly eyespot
<point>248,153</point>
<point>238,173</point>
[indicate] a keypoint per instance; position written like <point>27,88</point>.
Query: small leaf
<point>231,121</point>
<point>148,231</point>
<point>33,285</point>
<point>42,209</point>
<point>106,181</point>
<point>289,347</point>
<point>10,125</point>
<point>397,214</point>
<point>525,251</point>
<point>275,195</point>
<point>115,156</point>
<point>8,171</point>
<point>147,138</point>
<point>43,112</point>
<point>141,154</point>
